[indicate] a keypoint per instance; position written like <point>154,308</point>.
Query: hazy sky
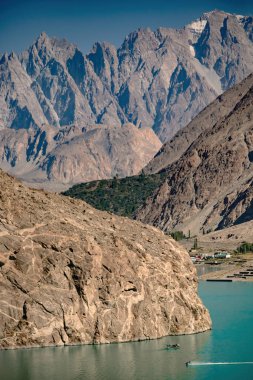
<point>84,22</point>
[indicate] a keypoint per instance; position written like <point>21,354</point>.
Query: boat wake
<point>217,363</point>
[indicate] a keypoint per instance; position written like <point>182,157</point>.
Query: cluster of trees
<point>245,247</point>
<point>121,196</point>
<point>178,235</point>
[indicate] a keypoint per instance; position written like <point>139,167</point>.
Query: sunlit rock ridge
<point>66,117</point>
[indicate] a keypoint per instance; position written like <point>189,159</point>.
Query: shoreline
<point>231,272</point>
<point>79,344</point>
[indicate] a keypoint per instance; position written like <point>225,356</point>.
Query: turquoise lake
<point>231,340</point>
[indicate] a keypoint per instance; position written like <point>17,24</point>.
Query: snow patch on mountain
<point>197,27</point>
<point>192,50</point>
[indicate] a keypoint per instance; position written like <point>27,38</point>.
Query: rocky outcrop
<point>70,274</point>
<point>210,186</point>
<point>157,80</point>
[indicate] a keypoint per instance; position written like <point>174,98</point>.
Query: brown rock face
<point>210,185</point>
<point>221,107</point>
<point>76,155</point>
<point>71,274</point>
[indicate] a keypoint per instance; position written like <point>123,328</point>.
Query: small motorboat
<point>173,346</point>
<point>187,363</point>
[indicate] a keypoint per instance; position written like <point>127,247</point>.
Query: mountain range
<point>66,117</point>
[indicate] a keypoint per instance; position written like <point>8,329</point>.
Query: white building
<point>222,255</point>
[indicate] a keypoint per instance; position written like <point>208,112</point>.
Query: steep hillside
<point>156,80</point>
<point>221,107</point>
<point>235,235</point>
<point>210,185</point>
<point>70,274</point>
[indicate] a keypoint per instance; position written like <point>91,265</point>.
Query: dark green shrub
<point>178,235</point>
<point>245,247</point>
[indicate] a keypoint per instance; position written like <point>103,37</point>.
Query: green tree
<point>177,235</point>
<point>245,247</point>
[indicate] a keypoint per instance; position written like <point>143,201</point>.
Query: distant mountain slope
<point>68,155</point>
<point>234,235</point>
<point>157,80</point>
<point>211,185</point>
<point>221,107</point>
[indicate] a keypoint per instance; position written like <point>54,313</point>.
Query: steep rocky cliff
<point>210,186</point>
<point>157,80</point>
<point>71,274</point>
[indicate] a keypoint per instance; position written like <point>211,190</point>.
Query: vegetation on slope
<point>245,247</point>
<point>122,196</point>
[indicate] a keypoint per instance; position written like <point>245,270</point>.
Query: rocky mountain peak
<point>43,39</point>
<point>12,56</point>
<point>9,58</point>
<point>215,13</point>
<point>4,58</point>
<point>197,26</point>
<point>103,57</point>
<point>140,41</point>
